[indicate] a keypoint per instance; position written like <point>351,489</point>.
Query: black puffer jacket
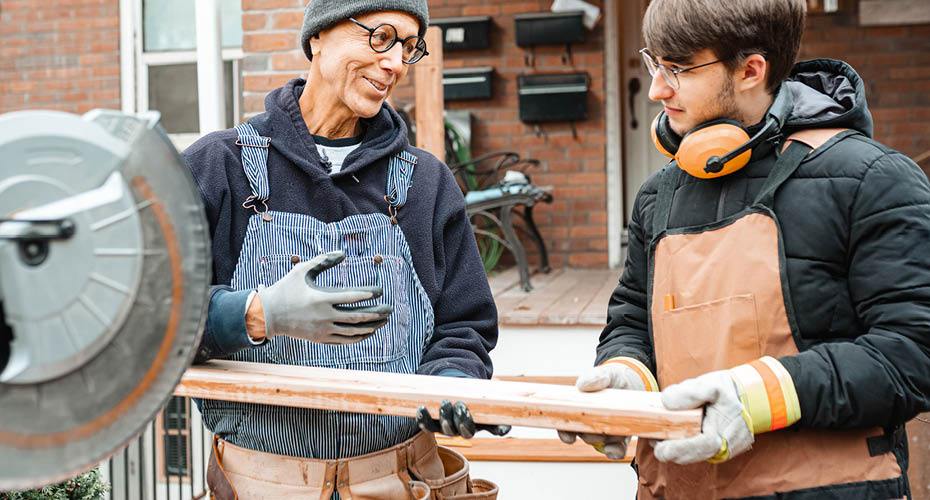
<point>855,219</point>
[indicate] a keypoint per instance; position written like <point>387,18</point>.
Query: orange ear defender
<point>719,147</point>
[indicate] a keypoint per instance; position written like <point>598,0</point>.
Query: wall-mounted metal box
<point>467,83</point>
<point>553,97</point>
<point>464,33</point>
<point>549,28</point>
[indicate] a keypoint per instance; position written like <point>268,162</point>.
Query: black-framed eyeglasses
<point>670,75</point>
<point>382,38</point>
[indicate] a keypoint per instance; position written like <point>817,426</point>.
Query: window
<point>166,62</point>
<point>172,428</point>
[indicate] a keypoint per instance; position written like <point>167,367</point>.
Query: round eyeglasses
<point>670,75</point>
<point>382,38</point>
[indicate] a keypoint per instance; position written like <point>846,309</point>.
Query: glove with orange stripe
<point>738,404</point>
<point>615,373</point>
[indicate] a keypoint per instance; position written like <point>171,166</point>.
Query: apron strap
<point>803,142</point>
<point>254,162</point>
<point>787,164</point>
<point>667,186</point>
<point>400,174</point>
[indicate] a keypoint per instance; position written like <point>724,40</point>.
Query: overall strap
<point>796,149</point>
<point>400,173</point>
<point>667,186</point>
<point>255,164</point>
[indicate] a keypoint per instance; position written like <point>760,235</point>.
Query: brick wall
<point>61,55</point>
<point>575,225</point>
<point>894,63</point>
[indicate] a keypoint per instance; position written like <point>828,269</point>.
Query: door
<point>640,158</point>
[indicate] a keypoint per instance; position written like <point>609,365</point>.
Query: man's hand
<point>617,373</point>
<point>738,403</point>
<point>455,420</point>
<point>295,306</point>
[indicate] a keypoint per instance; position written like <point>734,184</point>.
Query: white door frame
<point>616,224</point>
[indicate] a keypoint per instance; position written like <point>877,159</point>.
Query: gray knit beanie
<point>321,14</point>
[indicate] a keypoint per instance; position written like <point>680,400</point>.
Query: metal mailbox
<point>549,28</point>
<point>464,33</point>
<point>467,83</point>
<point>553,97</point>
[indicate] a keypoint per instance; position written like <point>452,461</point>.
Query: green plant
<point>87,486</point>
<point>457,152</point>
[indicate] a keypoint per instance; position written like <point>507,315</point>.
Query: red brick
<point>254,21</point>
<point>290,20</point>
<point>295,60</point>
<point>249,5</point>
<point>265,83</point>
<point>269,42</point>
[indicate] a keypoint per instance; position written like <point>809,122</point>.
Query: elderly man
<point>338,244</point>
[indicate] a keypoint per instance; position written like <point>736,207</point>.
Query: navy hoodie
<point>433,220</point>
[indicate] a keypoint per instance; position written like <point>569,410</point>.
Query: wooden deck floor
<point>562,297</point>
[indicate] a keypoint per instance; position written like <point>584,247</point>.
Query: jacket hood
<point>384,134</point>
<point>826,93</point>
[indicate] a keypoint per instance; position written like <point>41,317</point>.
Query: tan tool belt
<point>415,469</point>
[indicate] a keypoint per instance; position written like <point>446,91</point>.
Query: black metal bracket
<point>33,236</point>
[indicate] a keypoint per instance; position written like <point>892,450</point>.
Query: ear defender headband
<point>715,148</point>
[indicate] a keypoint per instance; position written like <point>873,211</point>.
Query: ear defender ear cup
<point>706,143</point>
<point>664,138</point>
<point>696,152</point>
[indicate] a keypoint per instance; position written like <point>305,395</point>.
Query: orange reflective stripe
<point>649,382</point>
<point>777,404</point>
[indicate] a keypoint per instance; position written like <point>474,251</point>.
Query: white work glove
<point>617,373</point>
<point>730,422</point>
<point>295,306</point>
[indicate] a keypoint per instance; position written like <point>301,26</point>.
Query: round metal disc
<point>104,327</point>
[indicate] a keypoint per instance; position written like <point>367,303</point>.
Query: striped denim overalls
<point>376,254</point>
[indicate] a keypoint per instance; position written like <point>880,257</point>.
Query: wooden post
<point>429,96</point>
<point>611,411</point>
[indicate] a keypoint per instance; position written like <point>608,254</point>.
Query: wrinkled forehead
<point>405,23</point>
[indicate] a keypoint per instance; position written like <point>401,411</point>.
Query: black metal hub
<point>33,236</point>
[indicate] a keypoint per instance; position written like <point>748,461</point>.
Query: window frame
<point>135,63</point>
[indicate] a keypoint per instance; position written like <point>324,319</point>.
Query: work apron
<point>377,254</point>
<point>719,298</point>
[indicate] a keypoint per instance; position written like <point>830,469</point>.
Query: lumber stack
<point>612,411</point>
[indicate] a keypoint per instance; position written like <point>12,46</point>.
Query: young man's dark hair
<point>776,274</point>
<point>675,29</point>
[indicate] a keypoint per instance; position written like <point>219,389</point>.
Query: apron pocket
<point>716,335</point>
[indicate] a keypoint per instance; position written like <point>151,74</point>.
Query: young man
<point>778,275</point>
<point>338,244</point>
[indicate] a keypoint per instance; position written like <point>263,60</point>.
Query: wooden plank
<point>568,308</point>
<point>893,12</point>
<point>539,379</point>
<point>429,96</point>
<point>529,310</point>
<point>502,281</point>
<point>545,406</point>
<point>595,313</point>
<point>486,449</point>
<point>511,300</point>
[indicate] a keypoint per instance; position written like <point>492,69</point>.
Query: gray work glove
<point>606,376</point>
<point>295,306</point>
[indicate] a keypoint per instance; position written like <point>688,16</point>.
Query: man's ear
<point>314,42</point>
<point>752,73</point>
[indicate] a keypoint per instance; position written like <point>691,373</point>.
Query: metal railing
<point>167,461</point>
